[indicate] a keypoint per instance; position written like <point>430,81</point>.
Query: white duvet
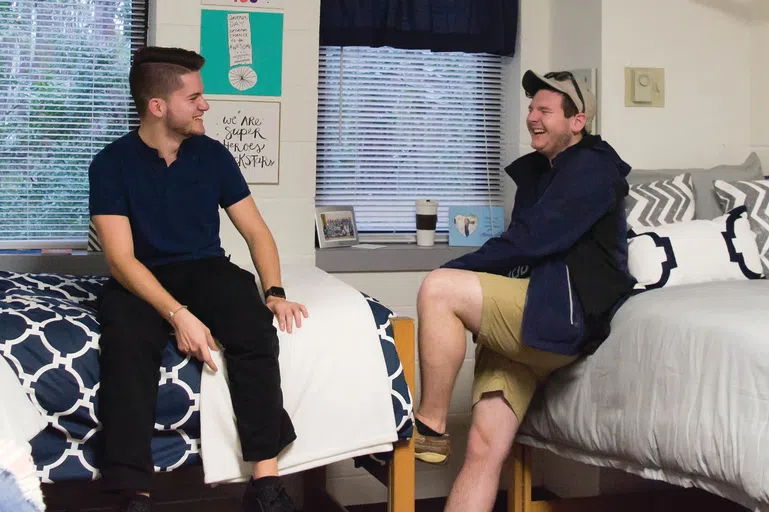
<point>334,379</point>
<point>679,392</point>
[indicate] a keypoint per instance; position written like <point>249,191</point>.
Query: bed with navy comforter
<point>49,334</point>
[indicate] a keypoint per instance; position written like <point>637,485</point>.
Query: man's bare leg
<point>449,302</point>
<point>491,436</point>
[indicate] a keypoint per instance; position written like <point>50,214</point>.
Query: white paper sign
<point>239,39</point>
<point>260,4</point>
<point>250,130</point>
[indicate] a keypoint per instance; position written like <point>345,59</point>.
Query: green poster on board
<point>243,52</point>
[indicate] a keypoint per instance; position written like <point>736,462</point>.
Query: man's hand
<point>193,337</point>
<point>286,312</point>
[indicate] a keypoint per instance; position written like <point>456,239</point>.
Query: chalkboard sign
<point>251,131</point>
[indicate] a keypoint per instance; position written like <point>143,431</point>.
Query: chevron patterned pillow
<point>660,202</point>
<point>755,196</point>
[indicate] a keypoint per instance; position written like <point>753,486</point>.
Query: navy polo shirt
<point>173,210</point>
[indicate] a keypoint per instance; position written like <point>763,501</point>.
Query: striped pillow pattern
<point>93,239</point>
<point>754,195</point>
<point>661,202</point>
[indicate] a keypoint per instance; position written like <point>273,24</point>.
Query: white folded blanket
<point>334,380</point>
<point>19,485</point>
<point>20,421</point>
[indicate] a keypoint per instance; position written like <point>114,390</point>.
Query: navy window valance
<point>470,26</point>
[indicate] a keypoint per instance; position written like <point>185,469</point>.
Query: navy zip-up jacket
<point>568,227</point>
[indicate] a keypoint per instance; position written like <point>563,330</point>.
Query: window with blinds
<point>64,87</point>
<point>396,125</point>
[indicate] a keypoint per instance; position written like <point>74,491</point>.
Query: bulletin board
<point>243,52</point>
<point>250,130</point>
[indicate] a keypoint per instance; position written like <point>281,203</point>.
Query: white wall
<point>706,56</point>
<point>576,34</point>
<point>759,91</point>
<point>536,41</point>
<point>288,207</point>
<point>708,77</point>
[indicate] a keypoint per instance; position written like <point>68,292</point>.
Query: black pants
<point>225,298</point>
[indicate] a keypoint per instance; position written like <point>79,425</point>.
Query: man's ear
<point>156,107</point>
<point>578,122</point>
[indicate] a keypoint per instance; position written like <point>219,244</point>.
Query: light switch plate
<point>644,87</point>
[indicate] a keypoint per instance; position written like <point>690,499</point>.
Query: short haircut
<point>569,107</point>
<point>156,73</point>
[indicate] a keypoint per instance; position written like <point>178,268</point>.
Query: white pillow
<point>697,251</point>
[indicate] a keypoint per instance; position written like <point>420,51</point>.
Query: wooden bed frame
<point>520,499</point>
<point>183,488</point>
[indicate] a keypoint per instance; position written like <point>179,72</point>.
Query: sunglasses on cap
<point>562,76</point>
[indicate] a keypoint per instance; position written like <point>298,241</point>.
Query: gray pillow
<point>660,202</point>
<point>706,202</point>
<point>755,196</point>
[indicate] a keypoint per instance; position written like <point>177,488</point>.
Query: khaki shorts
<point>502,362</point>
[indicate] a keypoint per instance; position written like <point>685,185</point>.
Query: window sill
<point>391,258</point>
<point>92,263</point>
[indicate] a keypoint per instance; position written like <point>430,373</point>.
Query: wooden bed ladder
<point>519,497</point>
<point>402,469</point>
<point>519,491</point>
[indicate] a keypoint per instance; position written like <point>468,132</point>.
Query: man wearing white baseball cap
<point>565,83</point>
<point>536,297</point>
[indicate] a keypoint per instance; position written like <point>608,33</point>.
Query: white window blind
<point>64,87</point>
<point>399,125</point>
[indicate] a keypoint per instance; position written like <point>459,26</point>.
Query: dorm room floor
<point>180,491</point>
<point>678,500</point>
<point>665,501</point>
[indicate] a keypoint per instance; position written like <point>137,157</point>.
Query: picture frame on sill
<point>473,225</point>
<point>335,226</point>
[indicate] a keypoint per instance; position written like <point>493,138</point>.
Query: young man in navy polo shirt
<point>154,199</point>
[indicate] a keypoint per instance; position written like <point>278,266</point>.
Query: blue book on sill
<point>474,225</point>
<point>20,251</point>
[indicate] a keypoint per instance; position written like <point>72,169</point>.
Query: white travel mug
<point>427,219</point>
